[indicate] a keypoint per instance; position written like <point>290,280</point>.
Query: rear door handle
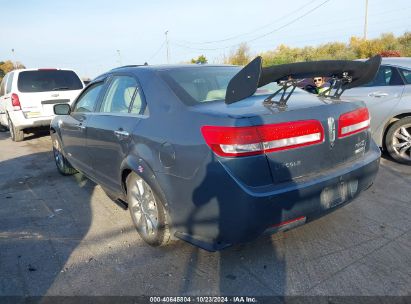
<point>121,134</point>
<point>378,94</point>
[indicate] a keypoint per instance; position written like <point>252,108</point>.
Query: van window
<point>3,85</point>
<point>9,82</point>
<point>48,80</point>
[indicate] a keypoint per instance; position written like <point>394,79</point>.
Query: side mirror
<point>62,109</point>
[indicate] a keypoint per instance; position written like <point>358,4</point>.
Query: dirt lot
<point>64,236</point>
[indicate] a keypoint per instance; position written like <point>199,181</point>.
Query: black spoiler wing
<point>253,76</point>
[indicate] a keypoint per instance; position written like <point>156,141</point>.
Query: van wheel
<point>398,140</point>
<point>147,212</point>
<point>63,165</point>
<point>15,134</point>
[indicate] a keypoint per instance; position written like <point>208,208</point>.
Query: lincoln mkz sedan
<point>218,155</point>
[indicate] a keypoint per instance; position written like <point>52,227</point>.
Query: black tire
<point>398,141</point>
<point>15,134</point>
<point>62,164</point>
<point>3,128</point>
<point>147,211</point>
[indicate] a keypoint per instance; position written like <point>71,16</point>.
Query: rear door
<point>39,90</point>
<point>109,133</point>
<point>73,128</point>
<point>381,95</point>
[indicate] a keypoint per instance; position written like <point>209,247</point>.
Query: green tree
<point>8,65</point>
<point>405,44</point>
<point>200,60</point>
<point>241,56</point>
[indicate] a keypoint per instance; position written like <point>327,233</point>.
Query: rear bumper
<point>222,212</point>
<point>21,122</point>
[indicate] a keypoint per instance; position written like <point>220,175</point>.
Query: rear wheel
<point>63,165</point>
<point>147,212</point>
<point>398,141</point>
<point>15,134</point>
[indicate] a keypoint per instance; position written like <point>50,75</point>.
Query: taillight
<point>15,102</point>
<point>246,141</point>
<point>353,122</point>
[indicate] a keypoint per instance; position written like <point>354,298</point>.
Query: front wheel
<point>63,165</point>
<point>398,141</point>
<point>147,212</point>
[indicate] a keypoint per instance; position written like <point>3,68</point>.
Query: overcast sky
<point>94,36</point>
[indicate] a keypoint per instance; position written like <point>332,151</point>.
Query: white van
<point>27,97</point>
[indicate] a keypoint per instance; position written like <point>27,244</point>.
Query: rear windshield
<point>201,84</point>
<point>48,80</point>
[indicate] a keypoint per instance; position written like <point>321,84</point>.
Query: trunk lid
<point>303,161</point>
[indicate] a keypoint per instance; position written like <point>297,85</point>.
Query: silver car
<point>388,98</point>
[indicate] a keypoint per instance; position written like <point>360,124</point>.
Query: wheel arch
<point>137,165</point>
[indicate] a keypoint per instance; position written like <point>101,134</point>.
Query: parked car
<point>388,98</point>
<point>27,97</point>
<point>197,153</point>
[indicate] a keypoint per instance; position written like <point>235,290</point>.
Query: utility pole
<point>366,20</point>
<point>168,52</point>
<point>119,58</point>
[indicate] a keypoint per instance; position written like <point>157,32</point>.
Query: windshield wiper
<point>61,89</point>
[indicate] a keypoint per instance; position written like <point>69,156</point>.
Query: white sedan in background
<point>388,98</point>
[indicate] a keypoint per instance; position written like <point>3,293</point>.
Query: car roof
<point>161,67</point>
<point>397,61</point>
<point>40,69</point>
<point>168,66</point>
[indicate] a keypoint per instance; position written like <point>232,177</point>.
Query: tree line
<point>387,45</point>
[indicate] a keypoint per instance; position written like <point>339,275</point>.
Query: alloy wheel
<point>144,210</point>
<point>401,142</point>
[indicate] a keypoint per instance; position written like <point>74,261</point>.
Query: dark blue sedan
<point>218,155</point>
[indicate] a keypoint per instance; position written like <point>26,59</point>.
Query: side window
<point>119,95</point>
<point>88,99</point>
<point>405,73</point>
<point>9,82</point>
<point>3,85</point>
<point>386,76</point>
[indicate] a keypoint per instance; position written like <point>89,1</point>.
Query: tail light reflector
<point>353,122</point>
<point>247,141</point>
<point>15,102</point>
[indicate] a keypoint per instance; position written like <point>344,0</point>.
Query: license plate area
<point>337,194</point>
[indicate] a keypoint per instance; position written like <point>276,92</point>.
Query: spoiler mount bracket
<point>286,93</point>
